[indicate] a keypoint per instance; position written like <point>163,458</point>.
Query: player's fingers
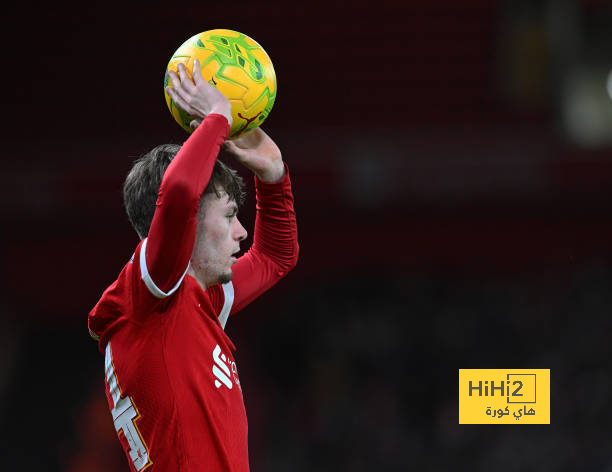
<point>183,95</point>
<point>251,140</point>
<point>179,87</point>
<point>176,82</point>
<point>194,124</point>
<point>196,73</point>
<point>186,82</point>
<point>181,103</point>
<point>231,148</point>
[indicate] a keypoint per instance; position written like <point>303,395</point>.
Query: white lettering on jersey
<point>125,415</point>
<point>221,369</point>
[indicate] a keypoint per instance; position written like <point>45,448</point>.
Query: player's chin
<point>226,277</point>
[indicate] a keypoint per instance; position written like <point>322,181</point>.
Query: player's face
<point>217,240</point>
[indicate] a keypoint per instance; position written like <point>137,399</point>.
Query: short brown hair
<point>144,179</point>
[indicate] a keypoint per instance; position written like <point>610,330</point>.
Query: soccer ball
<point>238,67</point>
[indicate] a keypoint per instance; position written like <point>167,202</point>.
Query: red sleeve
<point>172,234</point>
<point>275,246</point>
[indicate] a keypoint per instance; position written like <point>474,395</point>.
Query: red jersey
<point>171,380</point>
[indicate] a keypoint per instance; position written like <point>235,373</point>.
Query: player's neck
<point>199,279</point>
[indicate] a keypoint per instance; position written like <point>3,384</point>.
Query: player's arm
<point>275,247</point>
<point>171,237</point>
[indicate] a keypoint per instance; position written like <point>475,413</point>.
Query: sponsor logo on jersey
<point>224,369</point>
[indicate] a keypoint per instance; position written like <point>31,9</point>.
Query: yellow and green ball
<point>239,68</point>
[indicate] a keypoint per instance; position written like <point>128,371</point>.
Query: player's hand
<point>258,153</point>
<point>195,95</point>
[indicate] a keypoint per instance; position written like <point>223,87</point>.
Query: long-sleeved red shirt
<point>171,380</point>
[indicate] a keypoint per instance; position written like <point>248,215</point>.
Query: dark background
<point>452,167</point>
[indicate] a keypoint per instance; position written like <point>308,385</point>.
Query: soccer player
<point>171,380</point>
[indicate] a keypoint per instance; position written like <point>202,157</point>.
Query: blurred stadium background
<point>452,166</point>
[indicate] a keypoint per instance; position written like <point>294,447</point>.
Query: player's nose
<point>239,231</point>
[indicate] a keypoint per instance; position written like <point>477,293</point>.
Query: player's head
<point>218,233</point>
<point>144,179</point>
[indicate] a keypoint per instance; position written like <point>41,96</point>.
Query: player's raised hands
<point>258,153</point>
<point>195,95</point>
